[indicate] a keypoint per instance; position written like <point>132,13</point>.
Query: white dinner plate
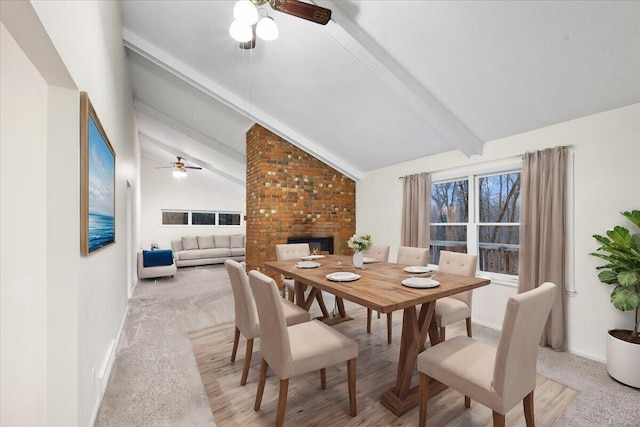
<point>311,257</point>
<point>369,260</point>
<point>420,282</point>
<point>342,276</point>
<point>308,264</point>
<point>417,269</point>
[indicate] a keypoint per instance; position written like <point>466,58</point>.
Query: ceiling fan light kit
<point>179,173</point>
<point>267,29</point>
<point>245,13</point>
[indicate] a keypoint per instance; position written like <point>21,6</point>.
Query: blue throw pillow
<point>157,258</point>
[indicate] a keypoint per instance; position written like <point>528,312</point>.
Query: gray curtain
<point>416,205</point>
<point>542,232</point>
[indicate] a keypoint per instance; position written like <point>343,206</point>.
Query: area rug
<point>307,405</point>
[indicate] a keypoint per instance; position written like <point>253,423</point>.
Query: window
<point>203,218</point>
<point>478,214</point>
<point>188,217</point>
<point>229,218</point>
<point>175,217</point>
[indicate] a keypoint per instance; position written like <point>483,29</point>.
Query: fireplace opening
<point>320,244</point>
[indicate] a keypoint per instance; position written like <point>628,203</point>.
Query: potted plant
<point>359,244</point>
<point>621,249</point>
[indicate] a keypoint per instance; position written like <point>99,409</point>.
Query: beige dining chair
<point>499,377</point>
<point>409,256</point>
<point>295,251</point>
<point>456,307</point>
<point>379,252</point>
<point>297,349</point>
<point>247,321</point>
<point>290,251</point>
<point>412,256</point>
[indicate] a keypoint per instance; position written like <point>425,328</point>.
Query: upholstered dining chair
<point>297,349</point>
<point>296,251</point>
<point>409,256</point>
<point>456,307</point>
<point>412,256</point>
<point>495,377</point>
<point>290,251</point>
<point>379,252</point>
<point>247,321</point>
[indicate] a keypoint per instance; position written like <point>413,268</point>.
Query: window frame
<point>190,212</point>
<point>473,174</point>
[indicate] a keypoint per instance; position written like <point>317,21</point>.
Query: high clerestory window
<point>200,217</point>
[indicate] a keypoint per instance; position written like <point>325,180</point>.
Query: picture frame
<point>97,182</point>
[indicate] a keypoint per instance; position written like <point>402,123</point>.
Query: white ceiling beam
<point>180,144</point>
<point>190,132</point>
<point>186,156</point>
<point>203,83</point>
<point>349,35</point>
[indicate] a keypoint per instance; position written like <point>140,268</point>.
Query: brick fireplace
<point>291,194</point>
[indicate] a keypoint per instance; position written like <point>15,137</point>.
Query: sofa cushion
<point>237,252</point>
<point>189,242</point>
<point>237,241</point>
<point>190,254</point>
<point>216,253</point>
<point>222,241</point>
<point>176,245</point>
<point>205,242</point>
<point>157,258</point>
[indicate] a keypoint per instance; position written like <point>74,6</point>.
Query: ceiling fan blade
<point>193,167</point>
<point>164,167</point>
<point>310,12</point>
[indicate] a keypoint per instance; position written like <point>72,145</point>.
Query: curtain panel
<point>416,205</point>
<point>542,232</point>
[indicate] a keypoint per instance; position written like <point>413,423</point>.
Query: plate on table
<point>342,276</point>
<point>420,282</point>
<point>417,269</point>
<point>369,260</point>
<point>311,257</point>
<point>308,264</point>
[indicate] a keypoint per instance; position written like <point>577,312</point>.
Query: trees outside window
<point>479,214</point>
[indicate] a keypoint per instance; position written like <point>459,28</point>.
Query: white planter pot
<point>623,361</point>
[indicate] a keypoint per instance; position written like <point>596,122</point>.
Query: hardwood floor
<point>232,404</point>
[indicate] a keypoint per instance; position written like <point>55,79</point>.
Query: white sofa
<point>202,250</point>
<point>155,271</point>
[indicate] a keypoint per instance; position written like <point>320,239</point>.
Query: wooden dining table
<point>380,288</point>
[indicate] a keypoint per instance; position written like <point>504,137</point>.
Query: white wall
<point>80,48</point>
<point>23,291</point>
<point>160,190</point>
<point>606,161</point>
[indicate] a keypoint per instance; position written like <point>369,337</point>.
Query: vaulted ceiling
<point>383,82</point>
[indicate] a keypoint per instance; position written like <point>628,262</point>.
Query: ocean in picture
<point>101,231</point>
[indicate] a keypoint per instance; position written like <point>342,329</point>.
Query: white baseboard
<point>568,350</point>
<point>104,371</point>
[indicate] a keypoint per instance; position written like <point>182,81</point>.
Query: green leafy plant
<point>621,250</point>
<point>360,243</point>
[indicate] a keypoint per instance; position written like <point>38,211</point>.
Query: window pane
<point>499,198</point>
<point>447,238</point>
<point>175,218</point>
<point>498,248</point>
<point>203,218</point>
<point>450,201</point>
<point>229,218</point>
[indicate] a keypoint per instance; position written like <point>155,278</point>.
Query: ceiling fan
<point>179,168</point>
<point>248,23</point>
<point>310,12</point>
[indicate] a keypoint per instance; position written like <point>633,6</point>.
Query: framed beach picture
<point>97,182</point>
